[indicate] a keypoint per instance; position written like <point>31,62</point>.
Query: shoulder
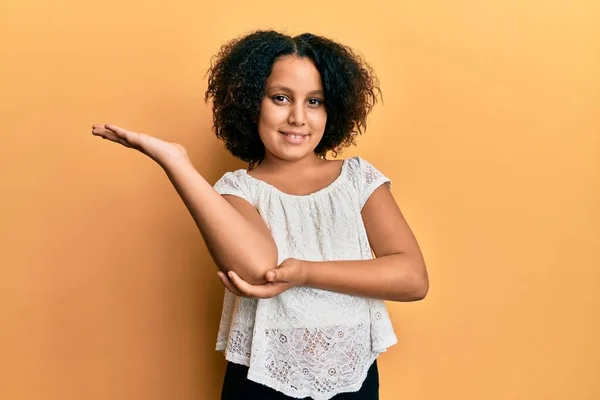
<point>361,169</point>
<point>365,177</point>
<point>232,177</point>
<point>236,183</point>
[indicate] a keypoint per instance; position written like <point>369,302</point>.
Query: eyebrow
<point>288,90</point>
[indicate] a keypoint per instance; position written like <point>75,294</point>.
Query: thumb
<point>277,275</point>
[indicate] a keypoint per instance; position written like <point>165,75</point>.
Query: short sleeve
<point>368,178</point>
<point>235,184</point>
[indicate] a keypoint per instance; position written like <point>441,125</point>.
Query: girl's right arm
<point>235,234</point>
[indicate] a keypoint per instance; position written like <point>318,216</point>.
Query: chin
<point>287,150</point>
<point>293,154</point>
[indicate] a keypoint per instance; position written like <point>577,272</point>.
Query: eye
<point>315,102</point>
<point>280,99</point>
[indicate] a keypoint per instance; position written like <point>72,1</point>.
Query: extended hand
<point>290,273</point>
<point>157,149</point>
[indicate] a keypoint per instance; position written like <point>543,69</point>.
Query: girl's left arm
<point>398,272</point>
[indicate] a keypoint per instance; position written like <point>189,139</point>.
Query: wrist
<point>304,273</point>
<point>166,154</point>
<point>170,161</point>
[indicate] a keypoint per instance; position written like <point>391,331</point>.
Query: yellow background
<point>490,132</point>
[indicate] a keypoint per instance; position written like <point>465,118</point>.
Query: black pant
<point>236,386</point>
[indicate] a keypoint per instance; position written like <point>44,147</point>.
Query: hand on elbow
<point>256,276</point>
<point>254,272</point>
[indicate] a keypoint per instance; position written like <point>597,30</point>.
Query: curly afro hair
<point>236,85</point>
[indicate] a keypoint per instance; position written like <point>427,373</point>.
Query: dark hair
<point>237,78</point>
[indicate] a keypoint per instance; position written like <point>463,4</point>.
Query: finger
<point>100,130</point>
<point>241,285</point>
<point>117,134</point>
<point>125,137</point>
<point>273,289</point>
<point>228,284</point>
<point>120,132</point>
<point>264,291</point>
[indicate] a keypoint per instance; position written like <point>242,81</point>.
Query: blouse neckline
<point>323,190</point>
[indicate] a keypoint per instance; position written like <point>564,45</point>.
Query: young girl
<point>294,235</point>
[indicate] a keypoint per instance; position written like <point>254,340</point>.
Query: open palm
<point>153,147</point>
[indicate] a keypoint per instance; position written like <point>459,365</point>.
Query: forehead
<point>296,73</point>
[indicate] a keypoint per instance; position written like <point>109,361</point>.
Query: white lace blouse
<point>308,342</point>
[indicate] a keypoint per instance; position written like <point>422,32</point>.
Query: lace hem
<point>273,383</point>
<point>299,378</point>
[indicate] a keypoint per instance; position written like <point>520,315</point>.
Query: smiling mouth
<point>294,137</point>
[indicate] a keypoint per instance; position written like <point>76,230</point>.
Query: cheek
<point>271,116</point>
<point>318,120</point>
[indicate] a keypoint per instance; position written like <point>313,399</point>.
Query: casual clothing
<point>308,342</point>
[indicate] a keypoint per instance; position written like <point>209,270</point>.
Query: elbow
<point>416,290</point>
<point>256,274</point>
<point>416,293</point>
<point>252,273</point>
<point>421,285</point>
<point>420,290</point>
<point>253,269</point>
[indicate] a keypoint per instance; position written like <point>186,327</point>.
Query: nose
<point>296,116</point>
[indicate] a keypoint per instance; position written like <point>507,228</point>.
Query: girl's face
<point>292,113</point>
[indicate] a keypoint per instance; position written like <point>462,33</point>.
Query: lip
<point>294,133</point>
<point>294,138</point>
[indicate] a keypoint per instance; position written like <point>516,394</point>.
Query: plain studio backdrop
<point>490,132</point>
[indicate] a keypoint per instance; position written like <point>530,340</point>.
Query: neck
<point>272,163</point>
